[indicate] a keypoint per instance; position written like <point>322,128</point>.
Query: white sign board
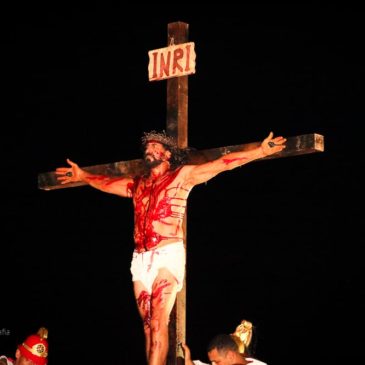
<point>172,61</point>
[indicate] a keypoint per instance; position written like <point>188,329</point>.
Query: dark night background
<point>276,242</point>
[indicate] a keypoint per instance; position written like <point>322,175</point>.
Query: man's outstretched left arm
<point>201,173</point>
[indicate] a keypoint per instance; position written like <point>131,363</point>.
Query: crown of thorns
<point>160,137</point>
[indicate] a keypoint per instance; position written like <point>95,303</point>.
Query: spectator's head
<point>223,350</point>
<point>34,348</point>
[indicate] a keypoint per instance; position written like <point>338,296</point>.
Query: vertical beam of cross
<point>177,127</point>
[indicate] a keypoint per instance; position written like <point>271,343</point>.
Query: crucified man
<point>159,200</point>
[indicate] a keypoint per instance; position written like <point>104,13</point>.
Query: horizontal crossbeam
<point>295,146</point>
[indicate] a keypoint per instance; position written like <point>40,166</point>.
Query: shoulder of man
<point>253,361</point>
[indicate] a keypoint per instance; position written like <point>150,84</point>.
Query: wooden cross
<point>177,127</point>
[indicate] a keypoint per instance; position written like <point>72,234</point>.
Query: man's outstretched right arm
<point>121,186</point>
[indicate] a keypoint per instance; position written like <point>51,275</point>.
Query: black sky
<point>274,241</point>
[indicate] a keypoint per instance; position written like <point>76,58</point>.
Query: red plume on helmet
<point>35,347</point>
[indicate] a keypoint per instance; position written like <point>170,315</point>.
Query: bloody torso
<point>159,208</point>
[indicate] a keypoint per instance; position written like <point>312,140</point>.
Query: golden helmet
<point>243,335</point>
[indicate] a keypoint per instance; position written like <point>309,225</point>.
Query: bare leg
<point>143,299</point>
<point>163,298</point>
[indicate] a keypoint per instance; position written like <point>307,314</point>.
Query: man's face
<point>21,360</point>
<point>155,153</point>
<point>24,361</point>
<point>220,358</point>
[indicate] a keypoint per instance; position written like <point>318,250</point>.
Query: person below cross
<point>232,349</point>
<point>33,351</point>
<point>160,200</point>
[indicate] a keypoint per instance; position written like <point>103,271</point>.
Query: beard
<point>150,162</point>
